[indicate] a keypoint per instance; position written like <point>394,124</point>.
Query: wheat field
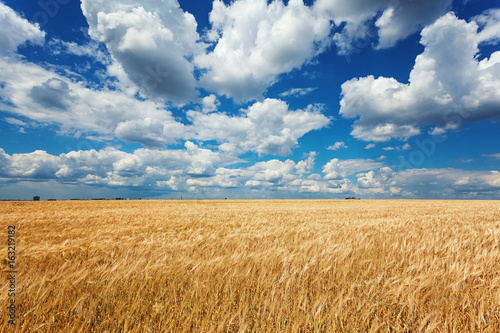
<point>254,266</point>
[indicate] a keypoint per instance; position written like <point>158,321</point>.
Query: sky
<point>242,99</point>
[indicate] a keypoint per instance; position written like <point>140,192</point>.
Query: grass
<point>248,266</point>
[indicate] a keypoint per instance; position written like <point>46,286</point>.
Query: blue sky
<point>250,99</point>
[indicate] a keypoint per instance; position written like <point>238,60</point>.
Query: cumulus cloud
<point>447,86</point>
<point>375,179</point>
<point>180,169</point>
<point>389,20</point>
<point>273,171</point>
<point>449,182</point>
<point>156,47</point>
<point>275,176</point>
<point>53,94</point>
<point>112,167</point>
<point>15,31</point>
<point>151,41</point>
<point>368,180</point>
<point>307,165</point>
<point>267,127</point>
<point>256,41</point>
<point>376,182</point>
<point>47,97</point>
<point>190,169</point>
<point>210,103</point>
<point>150,132</point>
<point>195,170</point>
<point>339,169</point>
<point>38,165</point>
<point>337,145</point>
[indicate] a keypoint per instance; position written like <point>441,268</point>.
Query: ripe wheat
<point>248,266</point>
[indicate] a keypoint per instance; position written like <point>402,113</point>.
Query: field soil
<point>252,265</point>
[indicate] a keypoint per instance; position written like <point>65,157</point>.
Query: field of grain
<point>248,266</point>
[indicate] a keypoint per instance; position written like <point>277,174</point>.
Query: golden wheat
<point>248,266</point>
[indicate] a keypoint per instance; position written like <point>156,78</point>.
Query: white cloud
<point>394,20</point>
<point>406,146</point>
<point>447,86</point>
<point>462,181</point>
<point>190,168</point>
<point>339,169</point>
<point>372,179</point>
<point>170,183</point>
<point>38,164</point>
<point>489,22</point>
<point>395,190</point>
<point>210,103</point>
<point>111,167</point>
<point>307,165</point>
<point>29,90</point>
<point>442,183</point>
<point>195,169</point>
<point>15,121</point>
<point>437,131</point>
<point>150,132</point>
<point>222,180</point>
<point>151,41</point>
<point>273,171</point>
<point>15,31</point>
<point>253,183</point>
<point>297,92</point>
<point>383,132</point>
<point>257,42</point>
<point>44,96</point>
<point>53,94</point>
<point>283,177</point>
<point>92,49</point>
<point>370,146</point>
<point>267,127</point>
<point>337,145</point>
<point>368,180</point>
<point>398,22</point>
